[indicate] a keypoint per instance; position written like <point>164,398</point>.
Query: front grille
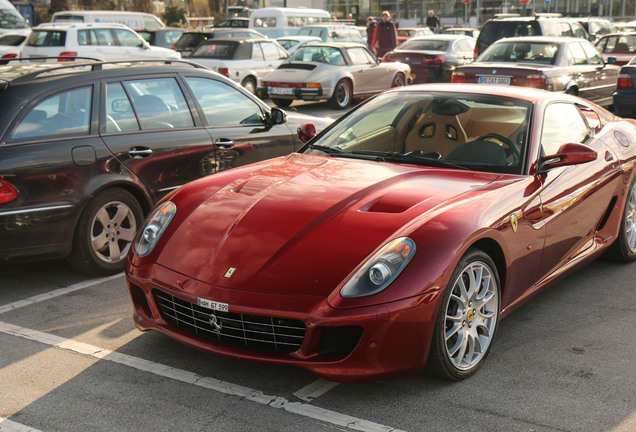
<point>249,331</point>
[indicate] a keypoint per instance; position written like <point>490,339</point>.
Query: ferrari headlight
<point>381,269</point>
<point>151,232</point>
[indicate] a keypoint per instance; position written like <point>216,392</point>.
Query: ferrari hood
<point>302,223</point>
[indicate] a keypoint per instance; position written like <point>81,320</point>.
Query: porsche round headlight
<point>381,269</point>
<point>151,232</point>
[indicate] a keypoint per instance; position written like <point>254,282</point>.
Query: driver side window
<point>224,106</point>
<point>554,134</point>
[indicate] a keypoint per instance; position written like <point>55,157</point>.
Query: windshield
<point>425,45</point>
<point>11,19</point>
<point>526,52</point>
<point>320,54</point>
<point>470,131</point>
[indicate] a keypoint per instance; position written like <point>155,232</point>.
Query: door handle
<point>224,143</point>
<point>139,152</point>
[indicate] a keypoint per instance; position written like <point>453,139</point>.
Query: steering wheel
<point>512,149</point>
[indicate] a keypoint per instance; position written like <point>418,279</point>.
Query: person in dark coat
<point>370,31</point>
<point>432,22</point>
<point>384,36</point>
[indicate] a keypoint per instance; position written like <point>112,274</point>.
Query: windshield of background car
<point>46,38</point>
<point>441,129</point>
<point>526,52</point>
<point>9,18</point>
<point>319,54</point>
<point>425,45</point>
<point>220,50</point>
<point>495,30</point>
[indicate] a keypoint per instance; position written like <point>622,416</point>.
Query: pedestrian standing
<point>432,22</point>
<point>384,36</point>
<point>370,31</point>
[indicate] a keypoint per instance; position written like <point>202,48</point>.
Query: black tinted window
<point>495,30</point>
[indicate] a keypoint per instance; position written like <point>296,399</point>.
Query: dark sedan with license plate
<point>562,64</point>
<point>433,58</point>
<point>625,96</point>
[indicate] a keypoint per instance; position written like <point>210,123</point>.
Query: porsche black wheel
<point>399,81</point>
<point>105,233</point>
<point>342,95</point>
<point>624,248</point>
<point>467,319</point>
<point>282,103</point>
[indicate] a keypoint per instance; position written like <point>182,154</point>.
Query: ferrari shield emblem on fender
<point>513,222</point>
<point>230,272</point>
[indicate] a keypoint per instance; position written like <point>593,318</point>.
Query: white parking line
<point>303,409</point>
<point>56,293</point>
<point>314,390</point>
<point>7,425</point>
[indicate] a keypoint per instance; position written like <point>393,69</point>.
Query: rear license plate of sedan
<point>499,80</point>
<point>210,304</point>
<point>281,90</point>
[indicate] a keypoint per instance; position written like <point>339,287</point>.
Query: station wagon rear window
<point>47,38</point>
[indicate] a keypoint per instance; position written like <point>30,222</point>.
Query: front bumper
<point>359,344</point>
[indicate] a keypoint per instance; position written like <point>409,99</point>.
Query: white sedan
<point>338,72</point>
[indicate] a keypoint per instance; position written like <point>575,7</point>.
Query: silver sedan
<point>338,72</point>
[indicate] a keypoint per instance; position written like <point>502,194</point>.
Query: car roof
<point>441,36</point>
<point>53,26</point>
<point>555,39</point>
<point>18,72</point>
<point>630,33</point>
<point>336,44</point>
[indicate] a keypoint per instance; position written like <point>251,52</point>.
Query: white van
<point>278,22</point>
<point>10,18</point>
<point>134,20</point>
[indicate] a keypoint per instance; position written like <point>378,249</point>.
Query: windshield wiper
<point>417,159</point>
<point>327,149</point>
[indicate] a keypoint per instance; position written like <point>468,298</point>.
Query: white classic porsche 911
<point>338,72</point>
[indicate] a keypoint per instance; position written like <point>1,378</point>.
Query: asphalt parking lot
<point>72,360</point>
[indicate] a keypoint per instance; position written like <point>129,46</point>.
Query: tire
<point>398,81</point>
<point>624,248</point>
<point>105,233</point>
<point>467,319</point>
<point>342,95</point>
<point>249,84</point>
<point>282,103</point>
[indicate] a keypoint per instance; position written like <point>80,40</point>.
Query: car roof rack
<point>549,15</point>
<point>96,65</point>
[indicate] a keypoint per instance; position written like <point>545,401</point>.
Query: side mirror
<point>592,38</point>
<point>306,132</point>
<point>611,60</point>
<point>568,154</point>
<point>277,116</point>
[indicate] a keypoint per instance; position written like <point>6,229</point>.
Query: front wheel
<point>105,233</point>
<point>342,95</point>
<point>467,319</point>
<point>624,248</point>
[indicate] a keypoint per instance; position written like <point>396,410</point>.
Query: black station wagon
<point>87,149</point>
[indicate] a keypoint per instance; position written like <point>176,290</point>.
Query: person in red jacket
<point>385,36</point>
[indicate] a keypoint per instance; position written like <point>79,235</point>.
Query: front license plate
<point>281,90</point>
<point>499,80</point>
<point>210,304</point>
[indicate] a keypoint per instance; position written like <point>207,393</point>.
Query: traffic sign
<point>548,2</point>
<point>465,1</point>
<point>523,2</point>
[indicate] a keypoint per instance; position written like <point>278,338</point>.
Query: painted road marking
<point>315,389</point>
<point>7,425</point>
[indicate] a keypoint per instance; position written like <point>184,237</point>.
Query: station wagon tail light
<point>224,71</point>
<point>154,227</point>
<point>624,81</point>
<point>8,192</point>
<point>458,77</point>
<point>68,56</point>
<point>536,81</point>
<point>381,269</point>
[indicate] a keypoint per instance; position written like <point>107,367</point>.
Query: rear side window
<point>46,38</point>
<point>65,113</point>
